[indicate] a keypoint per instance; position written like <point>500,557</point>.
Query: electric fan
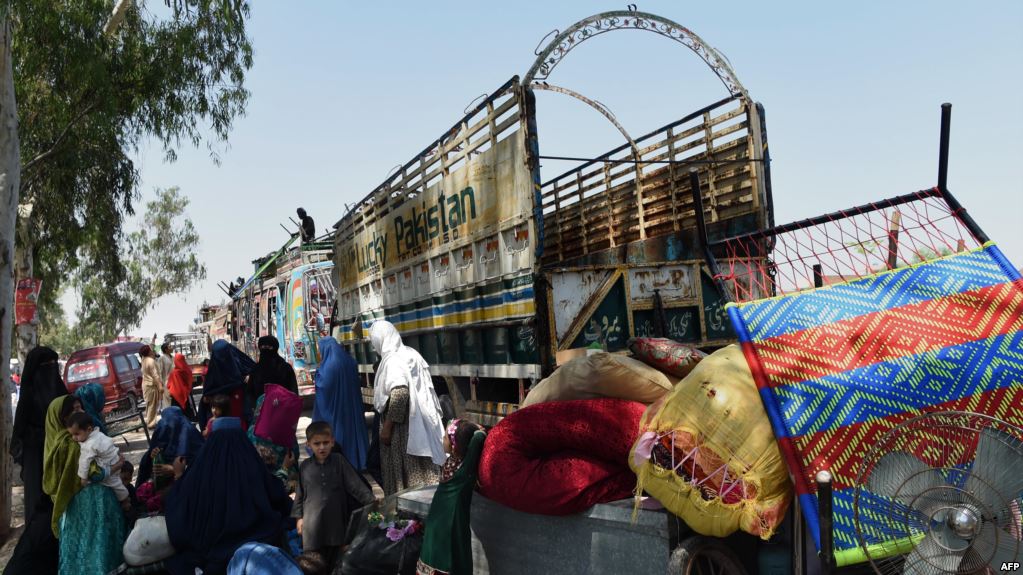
<point>940,493</point>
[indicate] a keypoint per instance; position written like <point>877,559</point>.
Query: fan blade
<point>900,474</point>
<point>996,546</point>
<point>995,478</point>
<point>929,557</point>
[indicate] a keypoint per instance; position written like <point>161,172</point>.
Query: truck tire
<point>699,555</point>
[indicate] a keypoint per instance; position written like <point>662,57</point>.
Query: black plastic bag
<point>370,552</point>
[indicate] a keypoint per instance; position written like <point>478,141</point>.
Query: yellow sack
<point>601,375</point>
<point>713,431</point>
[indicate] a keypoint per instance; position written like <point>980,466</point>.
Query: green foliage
<point>55,332</point>
<point>174,71</point>
<point>159,259</point>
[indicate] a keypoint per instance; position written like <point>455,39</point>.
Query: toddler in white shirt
<point>96,447</point>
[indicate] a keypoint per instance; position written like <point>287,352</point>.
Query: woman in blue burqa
<point>226,376</point>
<point>174,436</point>
<point>339,401</point>
<point>224,499</point>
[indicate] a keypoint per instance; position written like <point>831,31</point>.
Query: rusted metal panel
<point>572,292</point>
<point>673,283</point>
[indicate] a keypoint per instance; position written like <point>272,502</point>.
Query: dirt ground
<point>133,447</point>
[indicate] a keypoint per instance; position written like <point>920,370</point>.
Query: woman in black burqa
<point>271,368</point>
<point>40,385</point>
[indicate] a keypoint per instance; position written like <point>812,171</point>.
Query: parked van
<point>115,366</point>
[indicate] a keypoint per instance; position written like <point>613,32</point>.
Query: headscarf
<point>339,400</point>
<point>227,370</point>
<point>261,559</point>
<point>402,365</point>
<point>225,499</point>
<point>454,460</point>
<point>271,368</point>
<point>93,398</point>
<point>40,385</point>
<point>224,375</point>
<point>60,462</point>
<point>180,381</point>
<point>175,436</point>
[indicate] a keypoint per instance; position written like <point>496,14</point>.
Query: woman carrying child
<point>447,545</point>
<point>88,521</point>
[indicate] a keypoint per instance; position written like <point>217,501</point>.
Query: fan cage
<point>942,440</point>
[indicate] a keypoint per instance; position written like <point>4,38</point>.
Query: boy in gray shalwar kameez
<point>325,482</point>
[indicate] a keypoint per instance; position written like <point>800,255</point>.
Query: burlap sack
<point>601,375</point>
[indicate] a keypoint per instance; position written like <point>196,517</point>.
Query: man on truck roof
<point>308,228</point>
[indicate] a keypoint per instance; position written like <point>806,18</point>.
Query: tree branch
<point>60,139</point>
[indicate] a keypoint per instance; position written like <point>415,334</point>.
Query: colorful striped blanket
<point>839,366</point>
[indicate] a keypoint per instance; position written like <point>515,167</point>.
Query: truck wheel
<point>700,555</point>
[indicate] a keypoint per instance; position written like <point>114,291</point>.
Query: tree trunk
<point>10,179</point>
<point>27,335</point>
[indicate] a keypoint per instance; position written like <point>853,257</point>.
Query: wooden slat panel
<point>599,204</point>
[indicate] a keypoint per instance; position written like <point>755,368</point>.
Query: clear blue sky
<point>342,92</point>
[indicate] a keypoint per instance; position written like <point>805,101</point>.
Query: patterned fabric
<point>837,367</point>
<point>93,531</point>
<point>400,470</point>
<point>562,457</point>
<point>93,398</point>
<point>669,356</point>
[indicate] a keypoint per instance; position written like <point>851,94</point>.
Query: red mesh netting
<point>841,247</point>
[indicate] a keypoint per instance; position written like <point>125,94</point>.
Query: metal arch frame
<point>598,106</point>
<point>598,24</point>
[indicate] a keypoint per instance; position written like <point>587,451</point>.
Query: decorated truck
<point>289,297</point>
<point>496,270</point>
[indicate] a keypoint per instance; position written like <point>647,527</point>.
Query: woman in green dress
<point>88,521</point>
<point>447,545</point>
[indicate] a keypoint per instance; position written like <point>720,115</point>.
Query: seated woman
<point>225,499</point>
<point>175,436</point>
<point>88,521</point>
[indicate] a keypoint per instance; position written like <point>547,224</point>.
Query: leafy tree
<point>61,335</point>
<point>91,89</point>
<point>91,99</point>
<point>158,259</point>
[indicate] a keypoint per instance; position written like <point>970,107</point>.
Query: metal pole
<point>946,124</point>
<point>825,518</point>
<point>701,233</point>
<point>818,276</point>
<point>956,207</point>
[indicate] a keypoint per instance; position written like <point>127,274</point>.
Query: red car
<point>115,366</point>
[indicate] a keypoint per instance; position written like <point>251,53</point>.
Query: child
<point>99,449</point>
<point>127,472</point>
<point>220,406</point>
<point>326,481</point>
<point>447,544</point>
